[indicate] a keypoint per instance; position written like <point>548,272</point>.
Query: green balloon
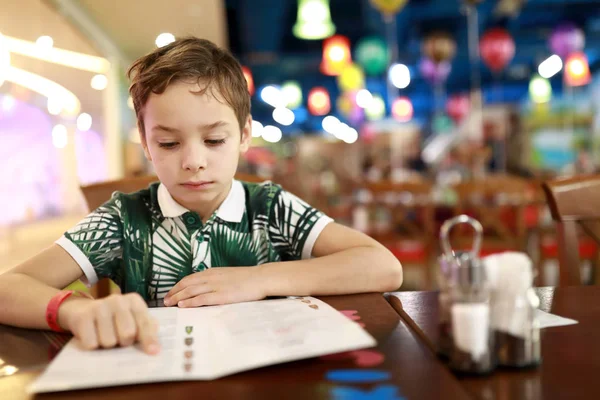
<point>373,55</point>
<point>442,124</point>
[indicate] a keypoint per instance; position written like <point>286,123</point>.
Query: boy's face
<point>194,142</point>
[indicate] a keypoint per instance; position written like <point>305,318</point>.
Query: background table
<point>571,354</point>
<point>414,370</point>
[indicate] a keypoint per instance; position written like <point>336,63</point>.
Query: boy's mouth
<point>197,185</point>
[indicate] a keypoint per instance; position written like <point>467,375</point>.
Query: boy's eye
<point>214,142</point>
<point>168,145</point>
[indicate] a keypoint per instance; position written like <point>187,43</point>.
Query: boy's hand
<point>222,285</point>
<point>117,320</point>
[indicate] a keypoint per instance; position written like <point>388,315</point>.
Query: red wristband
<point>54,304</point>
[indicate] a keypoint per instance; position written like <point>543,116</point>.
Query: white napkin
<point>510,276</point>
<point>548,320</point>
<point>510,271</point>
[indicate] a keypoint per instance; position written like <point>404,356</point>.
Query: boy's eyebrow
<point>214,125</point>
<point>203,127</point>
<point>165,128</point>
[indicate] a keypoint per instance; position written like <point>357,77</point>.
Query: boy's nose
<point>194,160</point>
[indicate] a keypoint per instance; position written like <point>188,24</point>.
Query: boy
<point>165,242</point>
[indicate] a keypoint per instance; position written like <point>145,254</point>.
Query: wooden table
<point>571,354</point>
<point>413,369</point>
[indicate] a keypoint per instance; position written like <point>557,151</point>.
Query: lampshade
<point>314,20</point>
<point>577,70</point>
<point>318,101</point>
<point>540,90</point>
<point>336,55</point>
<point>249,79</point>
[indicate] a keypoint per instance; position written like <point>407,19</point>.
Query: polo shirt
<point>147,242</point>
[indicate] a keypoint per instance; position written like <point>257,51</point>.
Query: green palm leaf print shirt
<point>146,242</point>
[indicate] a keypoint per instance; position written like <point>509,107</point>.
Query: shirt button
<point>200,238</point>
<point>192,220</point>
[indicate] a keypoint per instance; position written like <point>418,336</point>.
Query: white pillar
<point>113,128</point>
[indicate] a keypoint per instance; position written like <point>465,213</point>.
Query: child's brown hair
<point>189,59</point>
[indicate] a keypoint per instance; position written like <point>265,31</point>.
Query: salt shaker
<point>471,346</point>
<point>447,278</point>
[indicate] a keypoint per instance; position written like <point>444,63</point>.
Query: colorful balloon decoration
<point>458,107</point>
<point>442,123</point>
<point>439,47</point>
<point>318,101</point>
<point>357,116</point>
<point>508,8</point>
<point>434,73</point>
<point>497,49</point>
<point>351,78</point>
<point>346,102</point>
<point>376,109</point>
<point>292,94</point>
<point>566,39</point>
<point>336,55</point>
<point>389,6</point>
<point>372,55</point>
<point>402,109</point>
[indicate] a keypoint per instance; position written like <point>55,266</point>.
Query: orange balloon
<point>389,6</point>
<point>439,46</point>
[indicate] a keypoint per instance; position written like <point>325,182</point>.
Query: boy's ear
<point>246,135</point>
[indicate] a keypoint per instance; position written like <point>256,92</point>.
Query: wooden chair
<point>574,204</point>
<point>408,232</point>
<point>249,178</point>
<point>499,203</point>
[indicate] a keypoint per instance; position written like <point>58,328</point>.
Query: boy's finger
<point>85,331</point>
<point>105,327</point>
<point>126,326</point>
<point>207,299</point>
<point>188,281</point>
<point>187,293</point>
<point>147,331</point>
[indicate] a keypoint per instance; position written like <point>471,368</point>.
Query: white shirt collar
<point>231,210</point>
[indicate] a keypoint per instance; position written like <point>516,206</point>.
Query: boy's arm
<point>26,289</point>
<point>347,261</point>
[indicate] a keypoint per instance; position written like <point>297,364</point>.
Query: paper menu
<point>211,342</point>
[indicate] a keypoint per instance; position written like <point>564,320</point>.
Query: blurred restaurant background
<point>389,115</point>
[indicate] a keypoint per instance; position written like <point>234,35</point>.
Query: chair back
<point>97,194</point>
<point>574,205</point>
<point>498,202</point>
<point>408,206</point>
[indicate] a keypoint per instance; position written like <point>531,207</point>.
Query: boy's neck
<point>206,210</point>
